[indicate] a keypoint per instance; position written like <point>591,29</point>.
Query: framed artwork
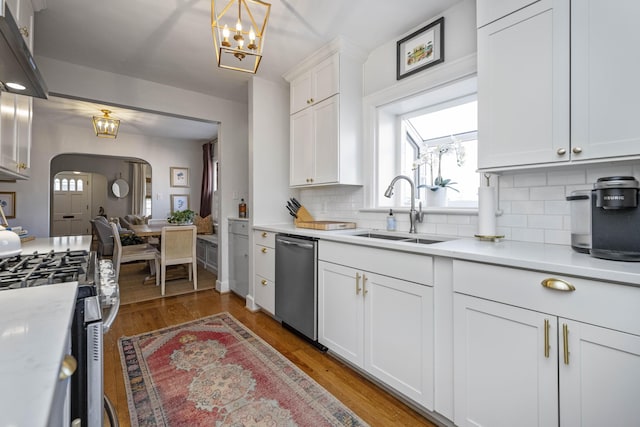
<point>8,204</point>
<point>421,49</point>
<point>179,202</point>
<point>179,177</point>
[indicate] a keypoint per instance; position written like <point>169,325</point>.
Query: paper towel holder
<point>488,176</point>
<point>498,212</point>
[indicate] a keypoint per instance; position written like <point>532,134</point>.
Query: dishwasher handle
<point>291,243</point>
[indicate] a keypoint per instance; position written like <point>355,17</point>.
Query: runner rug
<point>216,372</point>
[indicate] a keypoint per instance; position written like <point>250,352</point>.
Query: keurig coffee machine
<point>615,219</point>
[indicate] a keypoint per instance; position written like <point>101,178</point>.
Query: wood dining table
<point>148,230</point>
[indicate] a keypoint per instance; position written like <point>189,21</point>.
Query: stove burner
<point>36,269</point>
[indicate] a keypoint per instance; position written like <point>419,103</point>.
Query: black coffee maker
<point>615,219</point>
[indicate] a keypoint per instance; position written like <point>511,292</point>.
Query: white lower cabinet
<point>207,252</point>
<point>264,264</point>
<point>381,324</point>
<point>528,355</point>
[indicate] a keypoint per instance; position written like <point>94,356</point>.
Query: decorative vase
<point>437,198</point>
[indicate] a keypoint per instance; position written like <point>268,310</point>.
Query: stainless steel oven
<point>97,304</point>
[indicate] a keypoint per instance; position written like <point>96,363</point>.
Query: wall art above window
<point>422,49</point>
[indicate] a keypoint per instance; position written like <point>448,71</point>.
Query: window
<point>432,139</point>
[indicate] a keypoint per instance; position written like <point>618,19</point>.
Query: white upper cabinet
<point>315,85</point>
<point>326,117</point>
<point>557,82</point>
<point>604,78</point>
<point>523,87</point>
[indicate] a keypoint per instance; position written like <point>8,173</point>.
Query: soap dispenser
<point>391,221</point>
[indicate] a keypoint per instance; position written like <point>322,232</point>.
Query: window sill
<point>427,210</point>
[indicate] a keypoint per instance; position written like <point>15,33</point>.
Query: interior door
<point>71,208</point>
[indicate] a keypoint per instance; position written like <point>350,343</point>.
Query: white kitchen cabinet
<point>264,258</point>
<point>604,88</point>
<point>239,257</point>
<point>523,87</point>
<point>379,323</point>
<point>207,252</point>
<point>326,118</point>
<point>315,85</point>
<point>516,343</point>
<point>315,144</point>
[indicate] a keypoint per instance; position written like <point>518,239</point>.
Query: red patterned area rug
<point>216,372</point>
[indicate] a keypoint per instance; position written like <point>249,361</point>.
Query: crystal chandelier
<point>106,126</point>
<point>238,38</point>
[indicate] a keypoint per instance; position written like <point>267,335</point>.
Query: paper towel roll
<point>486,211</point>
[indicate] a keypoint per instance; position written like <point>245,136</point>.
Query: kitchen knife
<point>291,212</point>
<point>293,207</point>
<point>296,203</point>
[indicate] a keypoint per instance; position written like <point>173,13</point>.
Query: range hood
<point>16,63</point>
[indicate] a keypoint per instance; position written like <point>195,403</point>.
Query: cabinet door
<point>8,148</point>
<point>523,87</point>
<point>265,293</point>
<point>201,252</point>
<point>340,311</point>
<point>301,148</point>
<point>600,384</point>
<point>301,95</point>
<point>327,140</point>
<point>604,74</point>
<point>211,257</point>
<point>25,22</point>
<point>24,115</point>
<point>398,318</point>
<point>502,375</point>
<point>240,265</point>
<point>326,79</point>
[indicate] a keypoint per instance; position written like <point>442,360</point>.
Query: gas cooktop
<point>46,268</point>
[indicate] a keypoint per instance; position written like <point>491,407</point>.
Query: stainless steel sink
<point>397,238</point>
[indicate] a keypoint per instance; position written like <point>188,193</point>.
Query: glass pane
<point>56,184</point>
<point>449,121</point>
<point>80,186</point>
<point>65,184</point>
<point>72,185</point>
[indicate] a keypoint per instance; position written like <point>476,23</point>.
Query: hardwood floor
<point>375,406</point>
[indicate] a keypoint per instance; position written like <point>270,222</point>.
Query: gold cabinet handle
<point>577,150</point>
<point>24,31</point>
<point>263,282</point>
<point>358,288</point>
<point>264,250</point>
<point>561,151</point>
<point>264,234</point>
<point>68,367</point>
<point>565,339</point>
<point>558,285</point>
<point>22,165</point>
<point>364,285</point>
<point>546,338</point>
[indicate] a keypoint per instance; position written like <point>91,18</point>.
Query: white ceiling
<point>170,42</point>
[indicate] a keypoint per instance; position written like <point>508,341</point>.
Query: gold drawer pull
<point>263,282</point>
<point>565,339</point>
<point>264,234</point>
<point>546,338</point>
<point>558,285</point>
<point>264,250</point>
<point>358,289</point>
<point>68,367</point>
<point>364,285</point>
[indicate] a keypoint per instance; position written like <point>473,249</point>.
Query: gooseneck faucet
<point>413,214</point>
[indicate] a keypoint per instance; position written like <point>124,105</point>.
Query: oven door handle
<point>111,317</point>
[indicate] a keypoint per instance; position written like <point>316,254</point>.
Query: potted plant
<point>433,157</point>
<point>182,217</point>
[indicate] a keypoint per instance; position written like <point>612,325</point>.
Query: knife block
<point>303,216</point>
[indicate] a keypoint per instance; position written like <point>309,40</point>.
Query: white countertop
<point>34,324</point>
<point>559,259</point>
<point>57,244</point>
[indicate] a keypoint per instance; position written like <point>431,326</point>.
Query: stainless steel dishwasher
<point>297,286</point>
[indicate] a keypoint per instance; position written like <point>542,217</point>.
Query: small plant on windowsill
<point>182,217</point>
<point>433,156</point>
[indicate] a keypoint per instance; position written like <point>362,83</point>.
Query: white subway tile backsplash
<point>533,204</point>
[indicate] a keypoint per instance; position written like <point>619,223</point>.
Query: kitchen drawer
<point>264,238</point>
<point>600,303</point>
<point>265,294</point>
<point>239,227</point>
<point>402,265</point>
<point>264,261</point>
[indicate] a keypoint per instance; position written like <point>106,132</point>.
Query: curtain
<point>138,190</point>
<point>206,192</point>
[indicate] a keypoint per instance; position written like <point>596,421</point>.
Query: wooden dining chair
<point>178,246</point>
<point>124,254</point>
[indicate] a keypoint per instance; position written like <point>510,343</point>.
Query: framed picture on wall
<point>179,177</point>
<point>421,49</point>
<point>179,202</point>
<point>8,204</point>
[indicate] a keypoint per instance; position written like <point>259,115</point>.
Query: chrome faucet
<point>413,214</point>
